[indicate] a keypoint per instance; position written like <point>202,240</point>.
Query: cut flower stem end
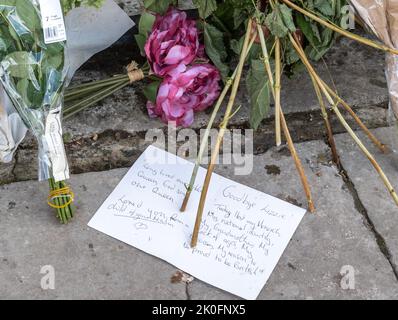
<point>282,119</point>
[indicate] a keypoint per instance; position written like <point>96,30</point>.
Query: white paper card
<point>243,233</point>
<point>52,20</point>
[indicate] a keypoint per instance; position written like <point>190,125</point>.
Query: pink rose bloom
<point>182,94</point>
<point>174,40</point>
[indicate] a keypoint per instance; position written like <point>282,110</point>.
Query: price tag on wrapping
<point>52,21</point>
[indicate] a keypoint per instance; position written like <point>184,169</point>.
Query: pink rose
<point>182,94</point>
<point>174,40</point>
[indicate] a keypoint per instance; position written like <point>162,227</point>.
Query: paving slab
<point>333,237</point>
<point>89,264</point>
<point>372,194</point>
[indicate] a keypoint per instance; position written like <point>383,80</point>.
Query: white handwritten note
<point>243,234</point>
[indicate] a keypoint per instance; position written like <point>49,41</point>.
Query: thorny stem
<point>340,30</point>
<point>205,138</point>
<point>334,107</point>
<point>285,128</point>
<point>223,126</point>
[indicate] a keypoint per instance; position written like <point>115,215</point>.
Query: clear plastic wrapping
<point>381,17</point>
<point>89,30</point>
<point>32,73</point>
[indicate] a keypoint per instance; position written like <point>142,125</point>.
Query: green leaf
<point>22,65</point>
<point>215,48</point>
<point>3,45</point>
<point>280,21</point>
<point>151,90</point>
<point>28,14</point>
<point>258,87</point>
<point>325,7</point>
<point>239,18</point>
<point>287,17</point>
<point>275,24</point>
<point>205,7</point>
<point>22,87</point>
<point>140,39</point>
<point>158,6</point>
<point>146,23</point>
<point>53,62</point>
<point>236,47</point>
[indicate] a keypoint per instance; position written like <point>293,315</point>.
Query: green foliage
<point>158,6</point>
<point>151,90</point>
<point>68,5</point>
<point>215,48</point>
<point>319,38</point>
<point>258,87</point>
<point>205,7</point>
<point>280,21</point>
<point>33,70</point>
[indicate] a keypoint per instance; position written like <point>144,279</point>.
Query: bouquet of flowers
<point>272,37</point>
<point>32,71</point>
<point>181,79</point>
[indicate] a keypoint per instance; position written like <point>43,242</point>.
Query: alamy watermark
<point>47,282</point>
<point>347,281</point>
<point>236,148</point>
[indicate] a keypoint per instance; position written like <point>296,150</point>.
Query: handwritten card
<point>243,233</point>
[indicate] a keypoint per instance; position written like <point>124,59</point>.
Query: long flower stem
<point>334,107</point>
<point>91,100</point>
<point>298,164</point>
<point>278,108</point>
<point>77,92</point>
<point>382,147</point>
<point>205,138</point>
<point>223,127</point>
<point>340,30</point>
<point>93,83</point>
<point>285,128</point>
<point>325,116</point>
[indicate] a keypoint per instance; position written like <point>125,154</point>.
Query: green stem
<point>88,102</point>
<point>79,92</point>
<point>91,83</point>
<point>57,201</point>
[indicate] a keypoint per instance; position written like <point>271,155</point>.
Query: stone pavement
<point>356,223</point>
<point>89,264</point>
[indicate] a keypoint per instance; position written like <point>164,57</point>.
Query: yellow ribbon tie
<point>59,193</point>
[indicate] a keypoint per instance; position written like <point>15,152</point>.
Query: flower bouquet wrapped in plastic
<point>32,72</point>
